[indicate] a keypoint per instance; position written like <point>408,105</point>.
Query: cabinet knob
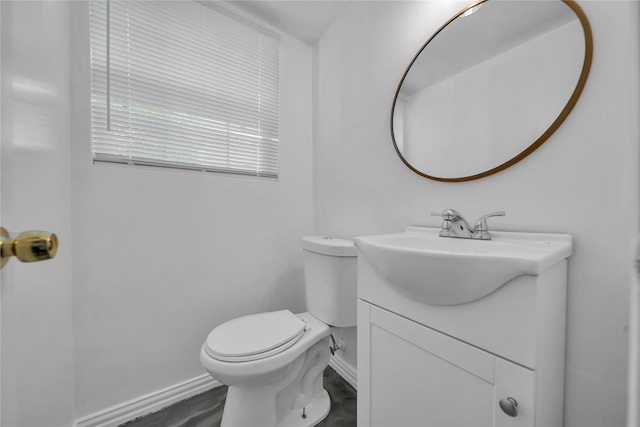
<point>509,406</point>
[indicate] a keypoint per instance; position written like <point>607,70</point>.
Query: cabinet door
<point>420,377</point>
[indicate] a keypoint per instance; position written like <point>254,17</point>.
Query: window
<point>179,84</point>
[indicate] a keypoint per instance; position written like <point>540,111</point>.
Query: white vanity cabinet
<point>421,377</point>
<point>436,365</point>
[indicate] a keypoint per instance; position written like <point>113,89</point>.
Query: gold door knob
<point>29,246</point>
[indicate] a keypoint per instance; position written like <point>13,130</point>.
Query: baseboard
<point>149,403</point>
<point>153,402</point>
<point>345,370</point>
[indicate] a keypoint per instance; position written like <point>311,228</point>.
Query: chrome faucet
<point>454,225</point>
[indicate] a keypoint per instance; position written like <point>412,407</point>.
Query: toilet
<point>273,362</point>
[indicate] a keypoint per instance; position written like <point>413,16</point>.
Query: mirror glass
<point>490,86</point>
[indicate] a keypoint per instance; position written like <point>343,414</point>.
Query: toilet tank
<point>330,279</point>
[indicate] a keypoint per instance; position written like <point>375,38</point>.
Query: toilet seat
<point>254,337</point>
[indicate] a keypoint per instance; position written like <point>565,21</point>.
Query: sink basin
<point>446,271</point>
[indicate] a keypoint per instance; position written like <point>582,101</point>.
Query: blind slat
<point>183,87</point>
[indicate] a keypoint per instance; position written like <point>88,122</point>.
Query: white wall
<point>582,181</point>
<point>162,257</point>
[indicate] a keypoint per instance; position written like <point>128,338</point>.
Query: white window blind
<point>178,84</point>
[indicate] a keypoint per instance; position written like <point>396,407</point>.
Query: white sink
<point>446,271</point>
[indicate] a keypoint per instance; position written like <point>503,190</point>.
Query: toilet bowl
<point>273,362</point>
<point>259,386</point>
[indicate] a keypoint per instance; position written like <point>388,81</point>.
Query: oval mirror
<point>490,86</point>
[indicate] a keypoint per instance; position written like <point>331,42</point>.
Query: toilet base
<point>315,411</point>
<point>272,392</point>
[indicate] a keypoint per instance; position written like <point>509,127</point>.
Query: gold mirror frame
<point>586,66</point>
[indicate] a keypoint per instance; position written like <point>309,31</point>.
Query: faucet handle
<point>481,223</point>
<point>447,214</point>
<point>447,217</point>
<point>481,228</point>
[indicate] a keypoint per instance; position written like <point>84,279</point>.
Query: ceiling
<point>305,20</point>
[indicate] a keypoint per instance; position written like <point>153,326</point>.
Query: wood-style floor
<point>205,410</point>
